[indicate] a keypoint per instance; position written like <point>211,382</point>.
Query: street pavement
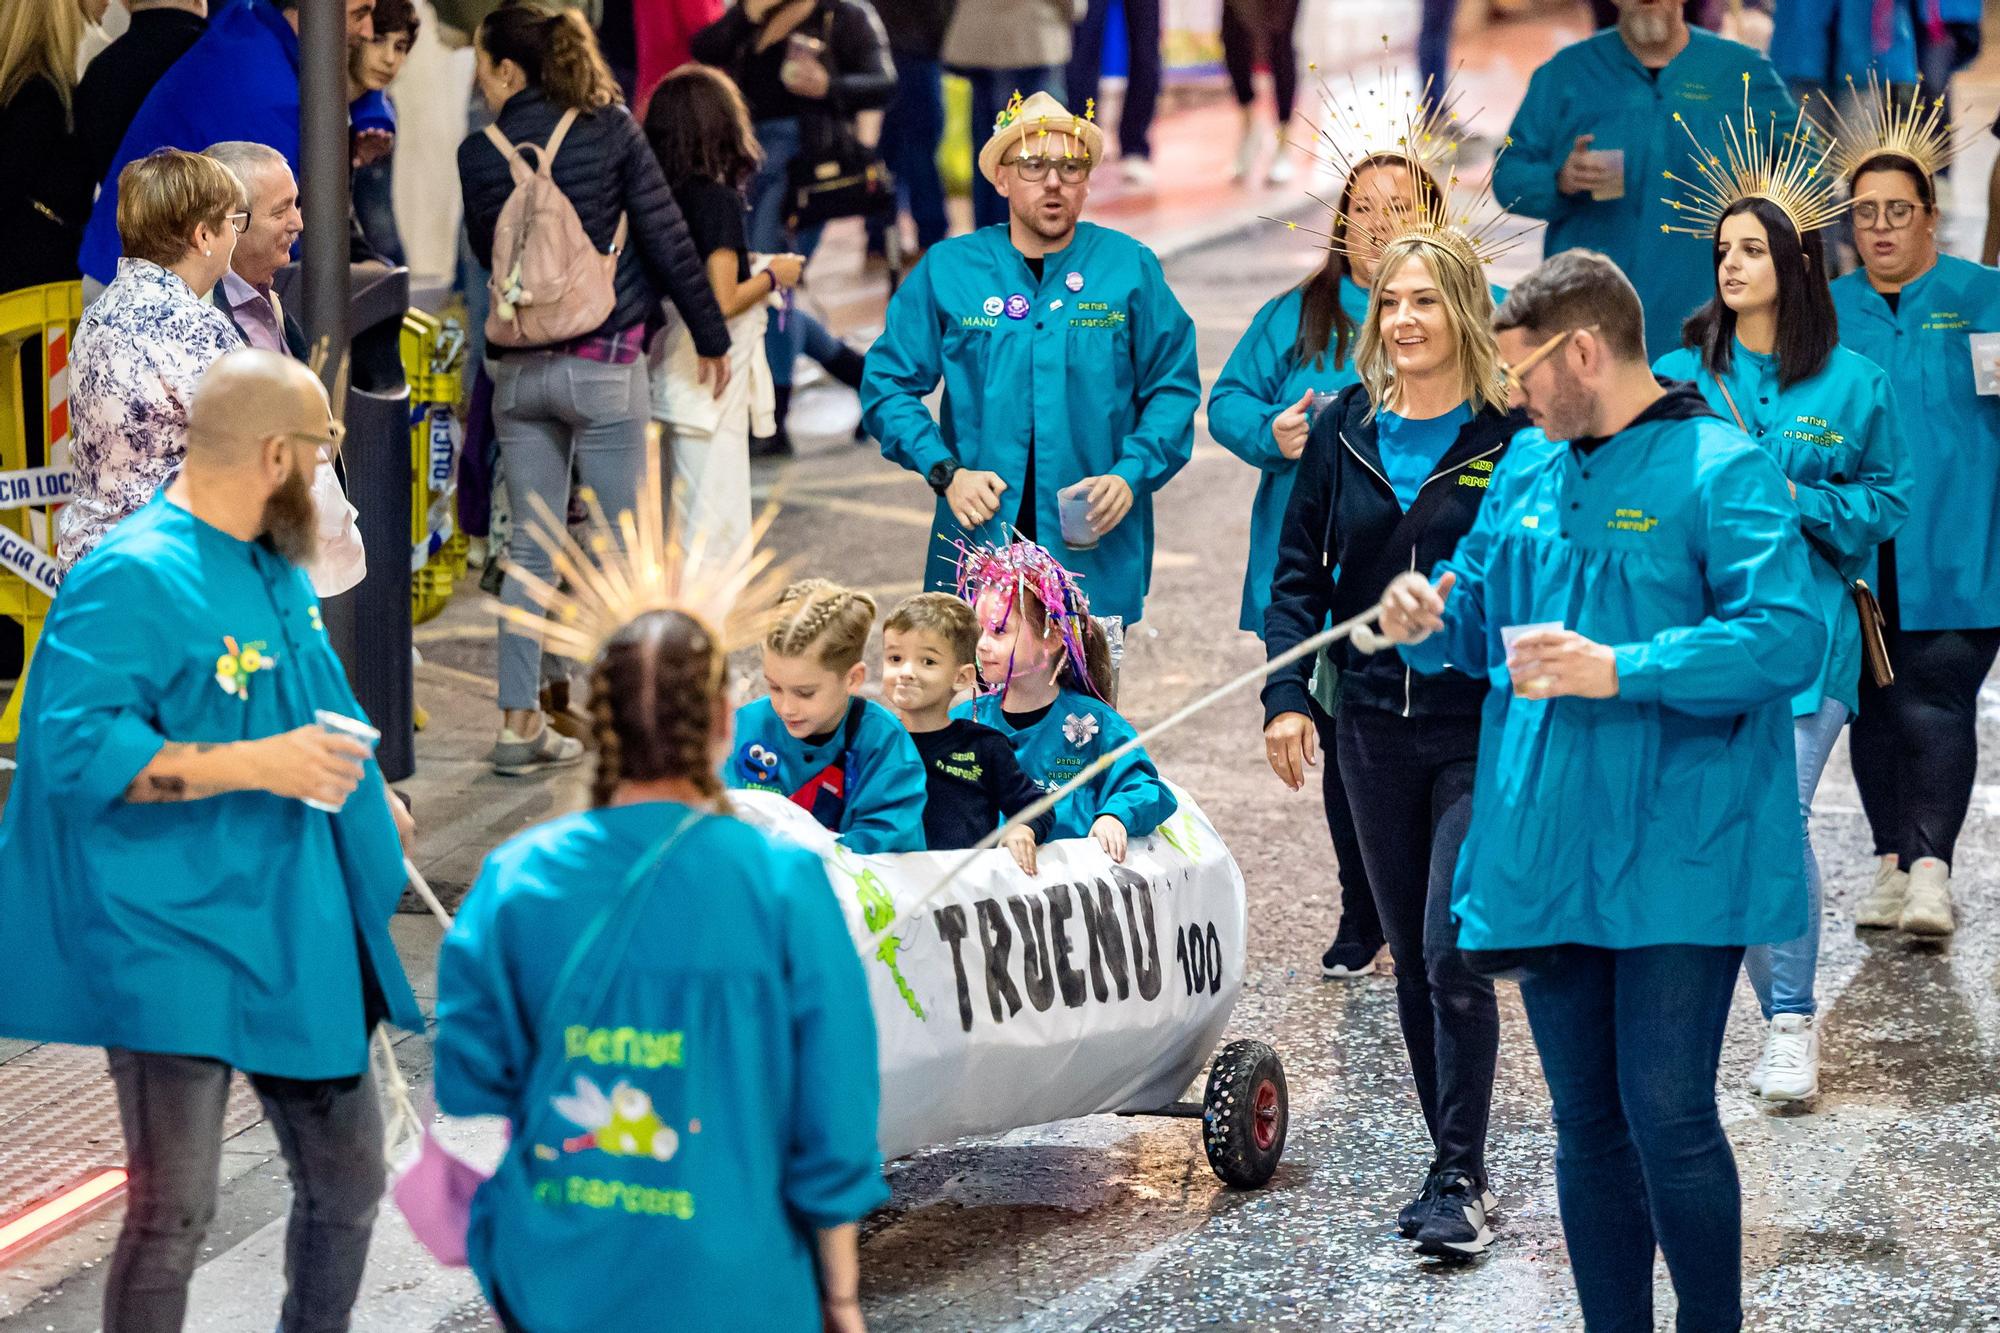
<point>1870,1209</point>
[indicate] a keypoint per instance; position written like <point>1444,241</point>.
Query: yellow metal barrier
<point>434,363</point>
<point>36,326</point>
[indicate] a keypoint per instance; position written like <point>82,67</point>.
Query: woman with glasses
<point>142,345</point>
<point>1915,748</point>
<point>1764,353</point>
<point>1391,477</point>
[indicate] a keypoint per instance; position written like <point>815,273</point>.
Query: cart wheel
<point>1245,1114</point>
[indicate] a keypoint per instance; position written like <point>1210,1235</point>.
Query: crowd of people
<point>1640,536</point>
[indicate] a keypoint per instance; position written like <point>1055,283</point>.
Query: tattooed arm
<point>307,764</point>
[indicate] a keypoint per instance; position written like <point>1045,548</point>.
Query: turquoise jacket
<point>1075,731</point>
<point>877,803</point>
<point>1828,42</point>
<point>1095,364</point>
<point>1947,568</point>
<point>236,927</point>
<point>1260,380</point>
<point>691,1106</point>
<point>1838,438</point>
<point>1596,86</point>
<point>1669,813</point>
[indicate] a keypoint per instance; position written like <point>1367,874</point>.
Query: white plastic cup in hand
<point>1985,348</point>
<point>1610,161</point>
<point>340,725</point>
<point>1074,504</point>
<point>1512,634</point>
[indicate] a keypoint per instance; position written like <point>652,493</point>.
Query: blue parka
<point>878,803</point>
<point>1838,438</point>
<point>1947,568</point>
<point>1828,42</point>
<point>1095,363</point>
<point>1596,86</point>
<point>697,1099</point>
<point>1076,729</point>
<point>236,927</point>
<point>1669,813</point>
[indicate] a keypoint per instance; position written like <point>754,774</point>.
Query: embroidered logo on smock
<point>234,668</point>
<point>1478,473</point>
<point>623,1124</point>
<point>1631,520</point>
<point>1944,321</point>
<point>1079,728</point>
<point>1816,431</point>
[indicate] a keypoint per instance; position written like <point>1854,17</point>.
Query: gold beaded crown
<point>618,573</point>
<point>1364,124</point>
<point>1888,122</point>
<point>1755,165</point>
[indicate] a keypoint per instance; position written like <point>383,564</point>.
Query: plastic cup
<point>341,725</point>
<point>1074,503</point>
<point>1320,402</point>
<point>1985,349</point>
<point>1613,161</point>
<point>1509,634</point>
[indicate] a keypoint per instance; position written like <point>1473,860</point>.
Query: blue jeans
<point>1629,1041</point>
<point>800,332</point>
<point>1782,974</point>
<point>912,126</point>
<point>1142,78</point>
<point>990,90</point>
<point>1434,44</point>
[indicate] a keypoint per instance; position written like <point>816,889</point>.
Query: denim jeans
<point>798,332</point>
<point>912,126</point>
<point>1409,784</point>
<point>551,411</point>
<point>171,1108</point>
<point>1142,58</point>
<point>1629,1041</point>
<point>1782,974</point>
<point>1434,45</point>
<point>990,90</point>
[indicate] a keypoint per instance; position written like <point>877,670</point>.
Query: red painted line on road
<point>51,1215</point>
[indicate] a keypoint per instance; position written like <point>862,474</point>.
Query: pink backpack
<point>549,284</point>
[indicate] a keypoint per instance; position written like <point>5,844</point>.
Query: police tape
<point>36,486</point>
<point>18,557</point>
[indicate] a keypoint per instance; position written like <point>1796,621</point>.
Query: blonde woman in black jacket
<point>1392,476</point>
<point>584,403</point>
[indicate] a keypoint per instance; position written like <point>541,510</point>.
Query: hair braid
<point>604,724</point>
<point>653,697</point>
<point>817,612</point>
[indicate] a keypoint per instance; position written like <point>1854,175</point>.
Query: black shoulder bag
<point>834,174</point>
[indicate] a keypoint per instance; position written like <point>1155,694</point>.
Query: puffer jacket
<point>605,168</point>
<point>863,77</point>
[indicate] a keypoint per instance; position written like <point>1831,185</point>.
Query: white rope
<point>403,1115</point>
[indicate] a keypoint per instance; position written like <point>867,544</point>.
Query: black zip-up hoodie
<point>1343,515</point>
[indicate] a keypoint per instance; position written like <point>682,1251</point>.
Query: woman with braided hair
<point>845,759</point>
<point>693,1120</point>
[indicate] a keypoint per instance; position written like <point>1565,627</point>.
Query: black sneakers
<point>1411,1220</point>
<point>1455,1226</point>
<point>1347,958</point>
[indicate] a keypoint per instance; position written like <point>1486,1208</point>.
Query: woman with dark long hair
<point>1765,353</point>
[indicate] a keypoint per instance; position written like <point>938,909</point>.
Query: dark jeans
<point>171,1109</point>
<point>1629,1040</point>
<point>1358,918</point>
<point>1142,77</point>
<point>990,90</point>
<point>1434,45</point>
<point>1409,784</point>
<point>912,125</point>
<point>1239,54</point>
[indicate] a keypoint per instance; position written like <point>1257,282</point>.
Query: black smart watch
<point>941,474</point>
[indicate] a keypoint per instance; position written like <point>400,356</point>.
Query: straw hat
<point>1030,125</point>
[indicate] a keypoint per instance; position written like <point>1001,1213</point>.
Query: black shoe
<point>1411,1219</point>
<point>770,446</point>
<point>846,366</point>
<point>1456,1226</point>
<point>1348,958</point>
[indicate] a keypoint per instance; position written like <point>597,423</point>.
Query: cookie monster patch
<point>757,763</point>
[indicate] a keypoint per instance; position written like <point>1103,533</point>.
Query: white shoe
<point>1248,151</point>
<point>1790,1062</point>
<point>1882,908</point>
<point>1760,1071</point>
<point>1282,168</point>
<point>1136,172</point>
<point>1928,909</point>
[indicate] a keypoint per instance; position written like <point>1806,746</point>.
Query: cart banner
<point>36,486</point>
<point>19,558</point>
<point>1008,1000</point>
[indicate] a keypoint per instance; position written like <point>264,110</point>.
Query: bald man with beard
<point>199,877</point>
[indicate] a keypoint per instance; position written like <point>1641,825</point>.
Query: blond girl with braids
<point>845,759</point>
<point>699,1108</point>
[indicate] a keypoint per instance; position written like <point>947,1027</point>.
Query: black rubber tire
<point>1245,1114</point>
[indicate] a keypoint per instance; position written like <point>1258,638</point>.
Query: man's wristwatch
<point>941,474</point>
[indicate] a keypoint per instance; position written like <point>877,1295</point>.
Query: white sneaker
<point>1136,172</point>
<point>1282,168</point>
<point>1882,908</point>
<point>1928,908</point>
<point>1248,151</point>
<point>1790,1063</point>
<point>1760,1071</point>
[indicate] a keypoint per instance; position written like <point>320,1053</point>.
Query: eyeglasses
<point>1069,170</point>
<point>1513,375</point>
<point>1899,212</point>
<point>240,221</point>
<point>336,435</point>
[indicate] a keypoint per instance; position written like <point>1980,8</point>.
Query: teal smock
<point>1260,380</point>
<point>1828,42</point>
<point>1839,438</point>
<point>733,1039</point>
<point>232,927</point>
<point>1948,555</point>
<point>1596,86</point>
<point>1097,360</point>
<point>1668,814</point>
<point>884,785</point>
<point>1077,729</point>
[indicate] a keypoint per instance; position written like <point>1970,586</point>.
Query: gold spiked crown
<point>624,569</point>
<point>1386,118</point>
<point>1755,165</point>
<point>1886,121</point>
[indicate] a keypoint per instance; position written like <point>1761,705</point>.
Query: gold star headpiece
<point>1756,165</point>
<point>618,573</point>
<point>1888,121</point>
<point>1367,123</point>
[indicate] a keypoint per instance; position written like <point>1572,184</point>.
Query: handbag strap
<point>1819,544</point>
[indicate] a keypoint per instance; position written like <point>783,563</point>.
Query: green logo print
<point>1187,844</point>
<point>878,909</point>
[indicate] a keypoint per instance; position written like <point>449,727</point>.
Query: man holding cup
<point>199,876</point>
<point>1068,367</point>
<point>1597,129</point>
